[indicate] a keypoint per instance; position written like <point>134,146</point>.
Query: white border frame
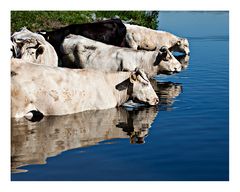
<point>200,5</point>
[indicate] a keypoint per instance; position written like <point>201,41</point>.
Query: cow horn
<point>25,40</point>
<point>42,32</point>
<point>164,49</point>
<point>18,41</point>
<point>141,73</point>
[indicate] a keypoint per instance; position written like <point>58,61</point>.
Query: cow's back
<point>111,32</point>
<point>58,91</point>
<point>80,52</point>
<point>147,38</point>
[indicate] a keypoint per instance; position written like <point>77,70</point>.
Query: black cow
<point>110,31</point>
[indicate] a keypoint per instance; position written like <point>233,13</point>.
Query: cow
<point>80,52</point>
<point>60,91</point>
<point>139,37</point>
<point>110,31</point>
<point>32,47</point>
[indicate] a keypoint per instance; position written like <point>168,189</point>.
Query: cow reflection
<point>139,121</point>
<point>167,93</point>
<point>34,142</point>
<point>138,124</point>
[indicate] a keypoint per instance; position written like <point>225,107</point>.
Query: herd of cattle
<point>89,66</point>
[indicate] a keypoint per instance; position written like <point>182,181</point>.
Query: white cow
<point>33,47</point>
<point>60,91</point>
<point>139,37</point>
<point>80,52</point>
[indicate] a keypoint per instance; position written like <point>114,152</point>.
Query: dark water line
<point>209,38</point>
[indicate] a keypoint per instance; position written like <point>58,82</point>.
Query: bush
<point>48,20</point>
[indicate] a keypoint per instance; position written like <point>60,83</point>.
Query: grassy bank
<point>47,20</point>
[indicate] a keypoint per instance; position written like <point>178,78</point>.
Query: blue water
<point>185,138</point>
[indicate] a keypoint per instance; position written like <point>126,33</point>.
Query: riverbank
<point>47,20</point>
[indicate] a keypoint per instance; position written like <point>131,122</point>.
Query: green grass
<point>48,20</point>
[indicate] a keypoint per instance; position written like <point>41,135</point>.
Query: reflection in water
<point>34,142</point>
<point>138,124</point>
<point>167,93</point>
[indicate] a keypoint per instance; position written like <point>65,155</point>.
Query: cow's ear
<point>39,51</point>
<point>123,85</point>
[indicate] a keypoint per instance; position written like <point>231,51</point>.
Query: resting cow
<point>33,47</point>
<point>139,37</point>
<point>110,31</point>
<point>80,52</point>
<point>59,91</point>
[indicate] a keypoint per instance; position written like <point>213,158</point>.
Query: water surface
<point>184,138</point>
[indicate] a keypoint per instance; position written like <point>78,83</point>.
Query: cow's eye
<point>166,59</point>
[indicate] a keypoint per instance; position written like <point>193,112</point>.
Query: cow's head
<point>30,50</point>
<point>181,46</point>
<point>142,89</point>
<point>184,60</point>
<point>166,62</point>
<point>55,37</point>
<point>32,47</point>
